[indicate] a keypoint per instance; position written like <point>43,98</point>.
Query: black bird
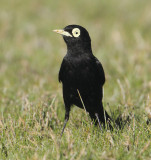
<point>82,75</point>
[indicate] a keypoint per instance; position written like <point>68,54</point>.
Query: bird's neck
<point>79,48</point>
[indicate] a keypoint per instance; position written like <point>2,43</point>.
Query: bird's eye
<point>76,32</point>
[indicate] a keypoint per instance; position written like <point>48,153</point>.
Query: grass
<point>31,104</point>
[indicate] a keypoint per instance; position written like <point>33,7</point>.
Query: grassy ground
<point>31,104</point>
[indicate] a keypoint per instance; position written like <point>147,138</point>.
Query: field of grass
<point>31,104</point>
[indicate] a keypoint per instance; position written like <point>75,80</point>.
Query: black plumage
<point>82,72</point>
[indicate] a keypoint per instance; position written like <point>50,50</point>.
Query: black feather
<point>82,71</point>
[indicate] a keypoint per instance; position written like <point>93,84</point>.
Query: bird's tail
<point>104,119</point>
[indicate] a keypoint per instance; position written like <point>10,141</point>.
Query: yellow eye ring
<point>76,32</point>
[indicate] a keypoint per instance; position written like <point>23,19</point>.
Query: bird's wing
<point>100,71</point>
<point>61,72</point>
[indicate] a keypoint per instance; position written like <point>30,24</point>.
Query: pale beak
<point>62,32</point>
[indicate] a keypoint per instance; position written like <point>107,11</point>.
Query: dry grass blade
<point>82,101</point>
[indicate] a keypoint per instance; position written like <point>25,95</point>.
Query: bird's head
<point>75,37</point>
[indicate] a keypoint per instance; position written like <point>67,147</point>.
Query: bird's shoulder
<point>100,70</point>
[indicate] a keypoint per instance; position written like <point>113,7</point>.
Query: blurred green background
<point>31,54</point>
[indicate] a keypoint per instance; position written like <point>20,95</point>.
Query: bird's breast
<point>79,74</point>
